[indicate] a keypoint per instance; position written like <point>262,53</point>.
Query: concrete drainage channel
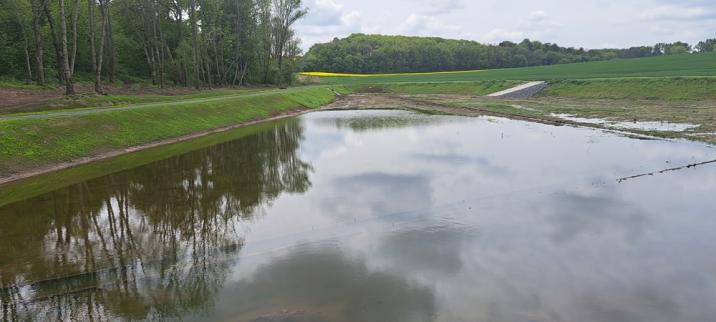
<point>522,91</point>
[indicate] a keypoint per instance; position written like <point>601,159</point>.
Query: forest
<point>192,43</point>
<point>360,53</point>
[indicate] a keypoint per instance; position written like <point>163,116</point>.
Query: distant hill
<point>361,53</point>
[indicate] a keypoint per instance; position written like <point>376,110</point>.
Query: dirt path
<point>526,90</point>
<point>18,100</point>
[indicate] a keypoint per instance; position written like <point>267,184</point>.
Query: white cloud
<point>424,25</point>
<point>439,7</point>
<point>536,25</point>
<point>499,35</point>
<point>584,23</point>
<point>677,12</point>
<point>327,19</point>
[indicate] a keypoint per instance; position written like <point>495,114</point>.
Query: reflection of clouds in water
<point>433,250</point>
<point>457,159</point>
<point>573,215</point>
<point>323,281</point>
<point>377,195</point>
<point>644,302</point>
<point>372,120</point>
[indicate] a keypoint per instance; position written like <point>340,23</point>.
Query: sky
<point>578,23</point>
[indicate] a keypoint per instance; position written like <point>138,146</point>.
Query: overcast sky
<point>578,23</point>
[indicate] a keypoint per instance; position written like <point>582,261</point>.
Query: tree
<point>60,42</point>
<point>706,46</point>
<point>37,9</point>
<point>286,12</point>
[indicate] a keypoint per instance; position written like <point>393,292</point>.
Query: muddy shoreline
<point>372,101</point>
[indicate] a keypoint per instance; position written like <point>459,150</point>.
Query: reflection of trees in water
<point>149,242</point>
<point>326,285</point>
<point>381,120</point>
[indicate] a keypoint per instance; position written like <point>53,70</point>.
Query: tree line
<point>360,53</point>
<point>198,43</point>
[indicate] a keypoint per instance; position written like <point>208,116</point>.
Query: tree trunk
<point>75,17</point>
<point>93,44</point>
<point>25,43</point>
<point>237,48</point>
<point>55,41</point>
<point>69,85</point>
<point>28,65</point>
<point>112,61</point>
<point>194,41</point>
<point>100,56</point>
<point>39,48</point>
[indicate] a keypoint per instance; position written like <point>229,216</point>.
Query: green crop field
<point>687,65</point>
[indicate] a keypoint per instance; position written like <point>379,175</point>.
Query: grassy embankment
<point>676,89</point>
<point>28,142</point>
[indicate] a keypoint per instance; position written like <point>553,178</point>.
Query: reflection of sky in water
<point>410,217</point>
<point>511,221</point>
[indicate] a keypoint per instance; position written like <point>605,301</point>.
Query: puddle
<point>623,125</point>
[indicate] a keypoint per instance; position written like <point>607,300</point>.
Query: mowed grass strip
<point>688,65</point>
<point>33,142</point>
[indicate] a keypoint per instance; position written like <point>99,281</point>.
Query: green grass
<point>8,82</point>
<point>35,186</point>
<point>687,65</point>
<point>32,142</point>
<point>636,88</point>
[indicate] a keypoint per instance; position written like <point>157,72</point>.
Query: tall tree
<point>37,8</point>
<point>286,12</point>
<point>97,57</point>
<point>21,23</point>
<point>60,42</point>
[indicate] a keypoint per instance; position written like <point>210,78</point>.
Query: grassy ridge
<point>32,142</point>
<point>687,65</point>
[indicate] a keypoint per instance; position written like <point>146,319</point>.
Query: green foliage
<point>369,54</point>
<point>153,41</point>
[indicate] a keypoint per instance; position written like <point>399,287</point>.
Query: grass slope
<point>31,142</point>
<point>687,65</point>
<point>673,89</point>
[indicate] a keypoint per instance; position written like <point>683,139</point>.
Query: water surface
<point>376,216</point>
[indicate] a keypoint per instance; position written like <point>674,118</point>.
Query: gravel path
<point>522,91</point>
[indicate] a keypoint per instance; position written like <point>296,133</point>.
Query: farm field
<point>687,65</point>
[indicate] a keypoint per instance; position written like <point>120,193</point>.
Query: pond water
<point>377,216</point>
